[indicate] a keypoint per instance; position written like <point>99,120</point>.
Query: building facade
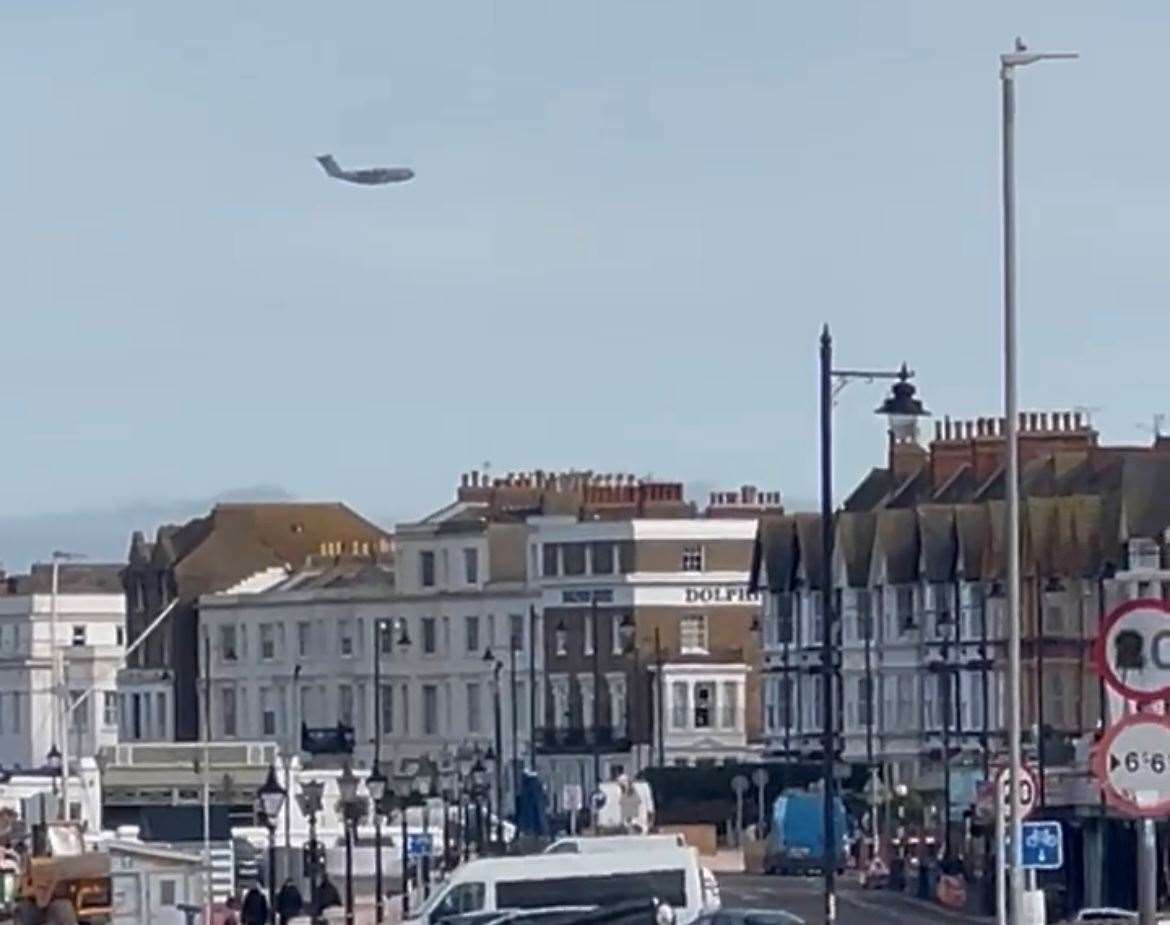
<point>300,652</point>
<point>164,581</point>
<point>90,640</point>
<point>647,628</point>
<point>918,585</point>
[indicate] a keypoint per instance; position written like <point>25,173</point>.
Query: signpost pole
<point>1000,848</point>
<point>1147,873</point>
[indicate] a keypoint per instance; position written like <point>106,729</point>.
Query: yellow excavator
<point>55,880</point>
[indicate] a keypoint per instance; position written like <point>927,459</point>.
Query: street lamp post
<point>352,807</point>
<point>463,763</point>
<point>902,409</point>
<point>492,757</point>
<point>596,718</point>
<point>479,790</point>
<point>403,786</point>
<point>659,705</point>
<point>532,686</point>
<point>1019,57</point>
<point>514,643</point>
<point>376,786</point>
<point>422,786</point>
<point>310,802</point>
<point>498,755</point>
<point>271,798</point>
<point>61,700</point>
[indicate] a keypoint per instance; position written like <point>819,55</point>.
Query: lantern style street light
<point>352,810</point>
<point>376,787</point>
<point>311,803</point>
<point>902,411</point>
<point>271,798</point>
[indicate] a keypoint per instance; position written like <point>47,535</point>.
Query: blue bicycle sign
<point>1043,846</point>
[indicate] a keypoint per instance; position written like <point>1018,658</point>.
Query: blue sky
<point>630,220</point>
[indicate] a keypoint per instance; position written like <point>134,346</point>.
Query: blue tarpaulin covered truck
<point>796,843</point>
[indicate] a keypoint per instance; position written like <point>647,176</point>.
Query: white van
<point>603,844</point>
<point>541,881</point>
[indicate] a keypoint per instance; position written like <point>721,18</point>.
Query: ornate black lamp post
<point>376,787</point>
<point>422,786</point>
<point>497,755</point>
<point>310,802</point>
<point>902,410</point>
<point>402,787</point>
<point>353,809</point>
<point>270,798</point>
<point>479,791</point>
<point>463,761</point>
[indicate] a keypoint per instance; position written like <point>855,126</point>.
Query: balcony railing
<point>570,739</point>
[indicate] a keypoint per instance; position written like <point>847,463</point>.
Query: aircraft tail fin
<point>330,165</point>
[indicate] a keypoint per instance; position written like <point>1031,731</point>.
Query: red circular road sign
<point>1132,650</point>
<point>1132,764</point>
<point>1029,789</point>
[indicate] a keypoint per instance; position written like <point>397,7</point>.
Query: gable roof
<point>234,541</point>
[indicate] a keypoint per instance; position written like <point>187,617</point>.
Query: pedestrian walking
<point>255,911</point>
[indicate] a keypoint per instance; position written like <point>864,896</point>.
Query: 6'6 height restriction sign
<point>1132,762</point>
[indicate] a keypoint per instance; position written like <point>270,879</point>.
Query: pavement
<point>804,897</point>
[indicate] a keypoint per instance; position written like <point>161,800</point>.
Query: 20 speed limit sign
<point>1028,790</point>
<point>1132,761</point>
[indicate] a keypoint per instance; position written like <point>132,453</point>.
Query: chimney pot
<point>463,480</point>
<point>1067,420</point>
<point>1044,420</point>
<point>938,430</point>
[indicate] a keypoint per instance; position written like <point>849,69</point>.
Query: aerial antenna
<point>1155,428</point>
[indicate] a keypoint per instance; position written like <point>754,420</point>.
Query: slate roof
<point>72,578</point>
<point>855,532</point>
<point>1077,510</point>
<point>774,553</point>
<point>236,540</point>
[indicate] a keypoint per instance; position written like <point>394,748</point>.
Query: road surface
<point>803,897</point>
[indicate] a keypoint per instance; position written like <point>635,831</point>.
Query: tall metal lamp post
<point>423,785</point>
<point>463,761</point>
<point>402,787</point>
<point>1018,57</point>
<point>352,810</point>
<point>479,791</point>
<point>376,787</point>
<point>271,798</point>
<point>902,410</point>
<point>310,802</point>
<point>497,755</point>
